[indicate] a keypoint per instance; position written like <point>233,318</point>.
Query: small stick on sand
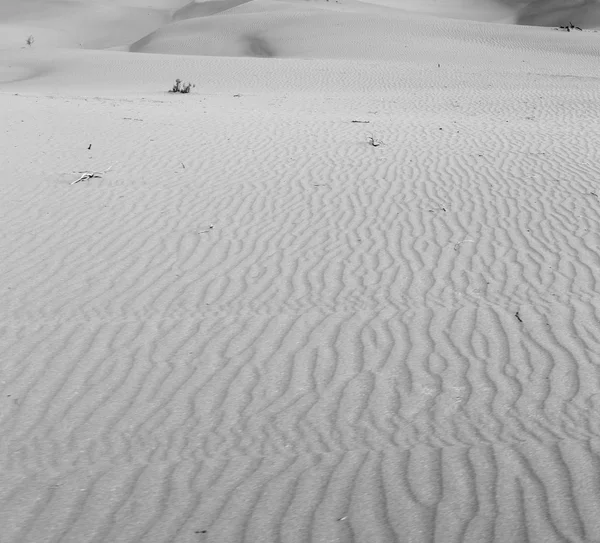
<point>518,317</point>
<point>457,246</point>
<point>90,175</point>
<point>374,142</point>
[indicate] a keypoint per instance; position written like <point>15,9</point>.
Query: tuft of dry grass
<point>182,87</point>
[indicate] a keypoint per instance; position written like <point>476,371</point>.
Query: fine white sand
<point>258,327</point>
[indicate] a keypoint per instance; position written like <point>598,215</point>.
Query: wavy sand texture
<point>258,327</point>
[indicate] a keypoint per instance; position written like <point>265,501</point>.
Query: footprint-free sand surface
<point>346,290</point>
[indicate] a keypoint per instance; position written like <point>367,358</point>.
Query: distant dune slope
<point>159,26</point>
<point>583,13</point>
<point>299,28</point>
<point>82,23</point>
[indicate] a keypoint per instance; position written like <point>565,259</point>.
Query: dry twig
<point>90,175</point>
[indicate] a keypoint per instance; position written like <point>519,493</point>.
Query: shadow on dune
<point>248,45</point>
<point>255,46</point>
<point>205,9</point>
<point>141,43</point>
<point>15,74</point>
<point>583,13</point>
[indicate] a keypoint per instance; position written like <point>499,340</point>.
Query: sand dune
<point>255,325</point>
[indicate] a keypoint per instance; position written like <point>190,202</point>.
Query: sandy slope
<point>258,327</point>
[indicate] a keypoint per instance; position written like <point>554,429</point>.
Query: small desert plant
<point>29,41</point>
<point>182,87</point>
<point>570,27</point>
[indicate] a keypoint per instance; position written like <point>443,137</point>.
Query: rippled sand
<point>346,290</point>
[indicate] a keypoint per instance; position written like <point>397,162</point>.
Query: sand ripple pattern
<point>386,344</point>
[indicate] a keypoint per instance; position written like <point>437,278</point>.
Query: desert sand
<point>345,290</point>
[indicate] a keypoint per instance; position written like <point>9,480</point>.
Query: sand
<point>346,290</point>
